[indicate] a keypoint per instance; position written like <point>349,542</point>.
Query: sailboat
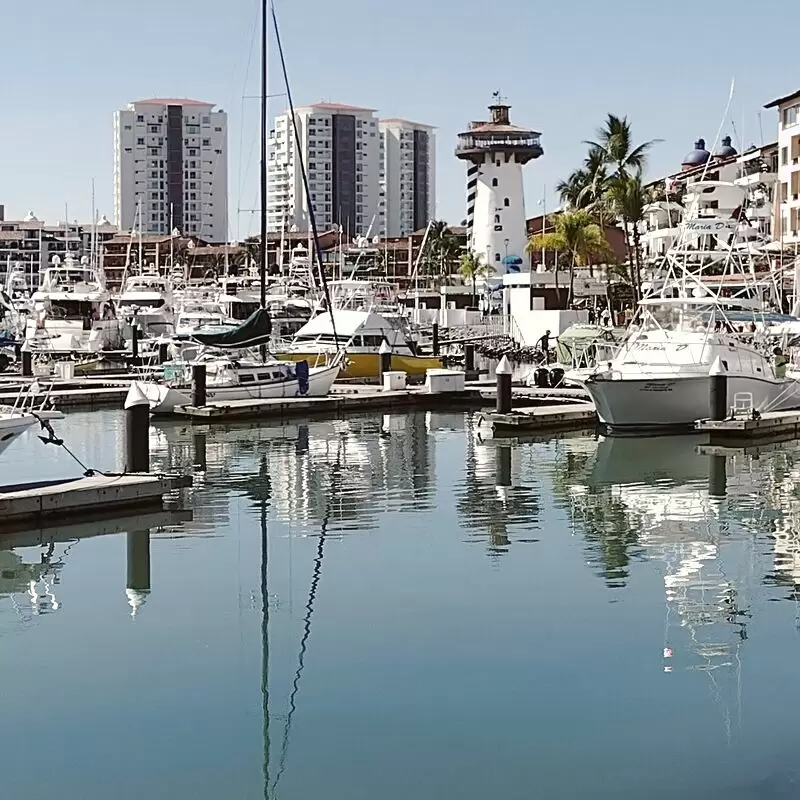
<point>229,376</point>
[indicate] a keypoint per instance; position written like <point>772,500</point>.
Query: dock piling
<point>27,362</point>
<point>436,338</point>
<point>137,431</point>
<point>135,360</point>
<point>198,385</point>
<point>469,358</point>
<point>163,352</point>
<point>503,466</point>
<point>718,392</point>
<point>503,373</point>
<point>717,476</point>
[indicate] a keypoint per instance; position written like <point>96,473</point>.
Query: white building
<point>341,152</point>
<point>171,156</point>
<point>496,151</point>
<point>755,170</point>
<point>408,179</point>
<point>788,166</point>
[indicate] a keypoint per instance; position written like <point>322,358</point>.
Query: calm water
<point>446,618</point>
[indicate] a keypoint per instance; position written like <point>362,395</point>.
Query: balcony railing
<point>490,141</point>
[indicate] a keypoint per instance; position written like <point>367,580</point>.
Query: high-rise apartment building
<point>408,176</point>
<point>342,155</point>
<point>171,159</point>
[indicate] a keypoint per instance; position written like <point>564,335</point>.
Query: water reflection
<point>333,587</point>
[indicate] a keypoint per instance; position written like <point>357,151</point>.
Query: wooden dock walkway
<point>573,416</point>
<point>99,496</point>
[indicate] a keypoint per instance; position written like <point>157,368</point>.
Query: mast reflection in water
<point>329,616</point>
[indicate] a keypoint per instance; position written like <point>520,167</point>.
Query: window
<point>140,118</point>
<point>494,181</point>
<point>140,142</point>
<point>790,116</point>
<point>497,256</point>
<point>206,120</point>
<point>496,219</point>
<point>506,202</point>
<point>127,127</point>
<point>784,156</point>
<point>206,142</point>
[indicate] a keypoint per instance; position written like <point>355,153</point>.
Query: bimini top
<point>348,323</point>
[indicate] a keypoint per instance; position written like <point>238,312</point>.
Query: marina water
<point>445,616</point>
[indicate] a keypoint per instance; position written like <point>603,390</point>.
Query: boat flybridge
<point>148,299</point>
<point>705,315</point>
<point>73,310</point>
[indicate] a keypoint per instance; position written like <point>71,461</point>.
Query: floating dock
<point>572,416</point>
<point>100,496</point>
<point>772,426</point>
<point>338,403</point>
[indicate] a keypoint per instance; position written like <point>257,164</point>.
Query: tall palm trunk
<point>572,263</point>
<point>557,273</point>
<point>638,255</point>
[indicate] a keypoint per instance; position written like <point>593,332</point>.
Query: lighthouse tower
<point>496,151</point>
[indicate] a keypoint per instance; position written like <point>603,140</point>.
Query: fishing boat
<point>73,310</point>
<point>360,334</point>
<point>692,326</point>
<point>147,298</point>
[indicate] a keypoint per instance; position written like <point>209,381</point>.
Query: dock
<point>338,403</point>
<point>772,426</point>
<point>572,416</point>
<point>100,496</point>
<point>87,393</point>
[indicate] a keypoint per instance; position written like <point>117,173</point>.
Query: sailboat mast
<point>263,251</point>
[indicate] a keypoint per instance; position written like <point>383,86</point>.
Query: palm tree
<point>628,199</point>
<point>471,267</point>
<point>442,248</point>
<point>615,143</point>
<point>577,237</point>
<point>572,190</point>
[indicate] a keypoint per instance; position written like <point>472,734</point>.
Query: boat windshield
<point>682,317</point>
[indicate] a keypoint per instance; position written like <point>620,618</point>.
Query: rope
<point>51,438</point>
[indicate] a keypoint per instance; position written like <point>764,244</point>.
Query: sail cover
<point>254,331</point>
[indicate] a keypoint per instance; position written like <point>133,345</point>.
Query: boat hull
<point>164,399</point>
<point>12,427</point>
<point>677,402</point>
<point>368,365</point>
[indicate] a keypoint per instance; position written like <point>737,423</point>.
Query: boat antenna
<point>263,252</point>
<point>304,173</point>
<point>721,124</point>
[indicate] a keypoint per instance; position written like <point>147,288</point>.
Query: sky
<point>563,66</point>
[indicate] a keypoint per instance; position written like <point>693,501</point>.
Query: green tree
<point>442,249</point>
<point>578,238</point>
<point>615,144</point>
<point>628,199</point>
<point>572,191</point>
<point>471,267</point>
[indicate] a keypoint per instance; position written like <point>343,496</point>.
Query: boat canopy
<point>348,323</point>
<point>254,331</point>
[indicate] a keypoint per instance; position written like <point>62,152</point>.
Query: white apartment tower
<point>171,156</point>
<point>341,152</point>
<point>496,151</point>
<point>788,194</point>
<point>408,177</point>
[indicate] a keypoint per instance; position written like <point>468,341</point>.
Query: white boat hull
<point>163,398</point>
<point>11,428</point>
<point>653,403</point>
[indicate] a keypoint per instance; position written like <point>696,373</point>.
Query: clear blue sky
<point>67,66</point>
